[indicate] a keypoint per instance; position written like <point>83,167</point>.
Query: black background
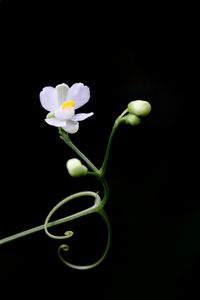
<point>122,53</point>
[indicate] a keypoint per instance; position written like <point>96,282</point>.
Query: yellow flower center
<point>68,103</point>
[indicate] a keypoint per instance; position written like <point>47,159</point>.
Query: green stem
<point>60,221</point>
<point>116,124</point>
<point>106,191</point>
<point>65,137</point>
<point>123,113</point>
<point>104,183</point>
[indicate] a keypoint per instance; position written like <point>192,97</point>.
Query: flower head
<point>61,102</point>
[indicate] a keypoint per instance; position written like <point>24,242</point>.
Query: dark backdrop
<point>122,53</point>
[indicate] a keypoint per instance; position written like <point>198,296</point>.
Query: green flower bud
<point>139,108</point>
<point>131,120</point>
<point>76,168</point>
<point>50,115</point>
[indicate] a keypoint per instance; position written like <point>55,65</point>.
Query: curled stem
<point>65,248</point>
<point>73,216</point>
<point>56,222</point>
<point>97,207</point>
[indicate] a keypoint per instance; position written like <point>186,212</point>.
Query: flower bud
<point>76,168</point>
<point>139,108</point>
<point>50,115</point>
<point>131,120</point>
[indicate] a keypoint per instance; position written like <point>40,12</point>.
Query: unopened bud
<point>50,115</point>
<point>131,120</point>
<point>139,108</point>
<point>76,168</point>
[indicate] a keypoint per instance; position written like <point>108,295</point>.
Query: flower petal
<point>55,122</point>
<point>71,126</point>
<point>64,114</point>
<point>79,93</point>
<point>81,117</point>
<point>62,90</point>
<point>48,98</point>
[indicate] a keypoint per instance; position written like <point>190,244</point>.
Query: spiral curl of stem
<point>65,248</point>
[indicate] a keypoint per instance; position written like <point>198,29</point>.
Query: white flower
<point>62,101</point>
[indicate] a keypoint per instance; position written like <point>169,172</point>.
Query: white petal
<point>55,122</point>
<point>79,93</point>
<point>62,90</point>
<point>48,98</point>
<point>81,117</point>
<point>64,114</point>
<point>71,126</point>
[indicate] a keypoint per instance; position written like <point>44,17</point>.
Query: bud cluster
<point>136,109</point>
